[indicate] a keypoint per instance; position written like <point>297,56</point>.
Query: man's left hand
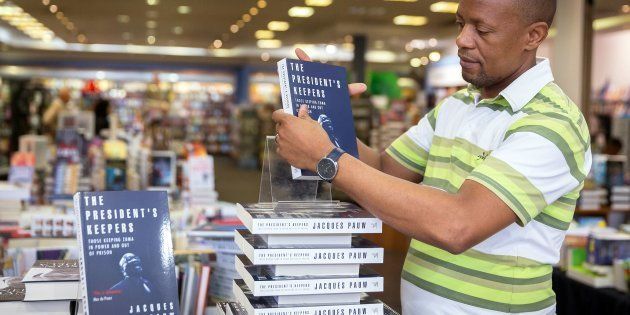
<point>301,141</point>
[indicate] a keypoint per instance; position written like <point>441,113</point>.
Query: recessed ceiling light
<point>246,18</point>
<point>178,30</point>
<point>424,61</point>
<point>151,24</point>
<point>81,38</point>
<point>433,42</point>
<point>265,56</point>
<point>318,3</point>
<point>278,26</point>
<point>415,62</point>
<point>444,7</point>
<point>264,34</point>
<point>151,39</point>
<point>269,43</point>
<point>262,4</point>
<point>625,8</point>
<point>153,2</point>
<point>45,2</point>
<point>183,9</point>
<point>435,56</point>
<point>53,8</point>
<point>217,43</point>
<point>59,15</point>
<point>234,28</point>
<point>240,23</point>
<point>302,12</point>
<point>123,18</point>
<point>253,11</point>
<point>410,20</point>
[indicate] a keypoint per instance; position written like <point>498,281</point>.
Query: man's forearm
<point>369,156</point>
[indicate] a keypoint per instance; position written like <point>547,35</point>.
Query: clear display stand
<point>278,187</point>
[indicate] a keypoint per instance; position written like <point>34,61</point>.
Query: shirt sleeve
<point>411,149</point>
<point>534,166</point>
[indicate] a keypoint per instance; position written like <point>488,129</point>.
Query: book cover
<point>53,270</point>
<point>308,218</point>
<point>256,250</point>
<point>126,253</point>
<point>323,88</point>
<point>268,306</point>
<point>261,283</point>
<point>11,289</point>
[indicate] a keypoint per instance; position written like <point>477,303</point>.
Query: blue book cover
<point>126,253</point>
<point>324,89</point>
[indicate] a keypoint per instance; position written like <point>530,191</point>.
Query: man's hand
<point>301,141</point>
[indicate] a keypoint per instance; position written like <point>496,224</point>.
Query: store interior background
<point>200,71</point>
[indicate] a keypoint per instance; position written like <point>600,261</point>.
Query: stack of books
<point>302,258</point>
<point>620,198</point>
<point>49,287</point>
<point>593,199</point>
<point>219,236</point>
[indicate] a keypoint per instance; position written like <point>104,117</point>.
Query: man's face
<point>491,40</point>
<point>134,268</point>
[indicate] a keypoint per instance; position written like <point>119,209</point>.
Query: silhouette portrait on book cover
<point>133,285</point>
<point>327,124</point>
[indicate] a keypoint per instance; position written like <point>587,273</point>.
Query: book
<point>257,251</point>
<point>340,240</point>
<point>51,280</point>
<point>212,230</point>
<point>307,218</point>
<point>236,309</point>
<point>12,292</point>
<point>204,282</point>
<point>261,283</point>
<point>323,88</point>
<point>222,308</point>
<point>268,306</point>
<point>126,252</point>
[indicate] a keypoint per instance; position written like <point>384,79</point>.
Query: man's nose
<point>465,38</point>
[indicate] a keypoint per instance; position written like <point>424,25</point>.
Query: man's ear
<point>536,34</point>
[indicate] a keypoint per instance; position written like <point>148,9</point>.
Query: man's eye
<point>482,32</point>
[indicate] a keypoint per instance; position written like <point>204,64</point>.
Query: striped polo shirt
<point>530,146</point>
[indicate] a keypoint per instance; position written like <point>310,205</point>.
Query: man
<point>501,162</point>
<point>58,105</point>
<point>133,285</point>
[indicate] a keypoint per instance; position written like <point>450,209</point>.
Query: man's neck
<point>494,90</point>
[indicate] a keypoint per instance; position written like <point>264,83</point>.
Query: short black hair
<point>537,10</point>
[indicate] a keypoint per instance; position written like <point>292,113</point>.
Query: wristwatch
<point>328,166</point>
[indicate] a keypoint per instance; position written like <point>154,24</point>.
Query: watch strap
<point>335,154</point>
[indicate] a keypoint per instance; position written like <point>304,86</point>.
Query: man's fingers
<point>302,55</point>
<point>303,113</point>
<point>279,116</point>
<point>357,88</point>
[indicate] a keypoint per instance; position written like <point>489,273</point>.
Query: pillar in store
<point>242,85</point>
<point>358,63</point>
<point>572,49</point>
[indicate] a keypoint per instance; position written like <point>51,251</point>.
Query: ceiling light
<point>433,42</point>
<point>444,7</point>
<point>278,26</point>
<point>123,18</point>
<point>410,20</point>
<point>262,4</point>
<point>45,2</point>
<point>217,43</point>
<point>264,34</point>
<point>253,11</point>
<point>240,23</point>
<point>265,56</point>
<point>81,38</point>
<point>178,30</point>
<point>100,75</point>
<point>435,56</point>
<point>59,15</point>
<point>424,61</point>
<point>151,24</point>
<point>415,62</point>
<point>151,39</point>
<point>269,43</point>
<point>247,17</point>
<point>234,28</point>
<point>318,3</point>
<point>331,49</point>
<point>8,10</point>
<point>183,9</point>
<point>625,8</point>
<point>153,2</point>
<point>302,12</point>
<point>380,56</point>
<point>53,8</point>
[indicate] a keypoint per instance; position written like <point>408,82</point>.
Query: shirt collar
<point>526,86</point>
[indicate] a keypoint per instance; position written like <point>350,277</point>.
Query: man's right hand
<point>354,88</point>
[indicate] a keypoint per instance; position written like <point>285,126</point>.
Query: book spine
<point>316,226</point>
<point>317,286</point>
<point>204,281</point>
<point>79,227</point>
<point>291,256</point>
<point>372,309</point>
<point>287,103</point>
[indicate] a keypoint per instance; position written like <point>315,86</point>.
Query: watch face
<point>326,169</point>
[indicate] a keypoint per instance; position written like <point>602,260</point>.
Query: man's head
<point>130,265</point>
<point>498,38</point>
